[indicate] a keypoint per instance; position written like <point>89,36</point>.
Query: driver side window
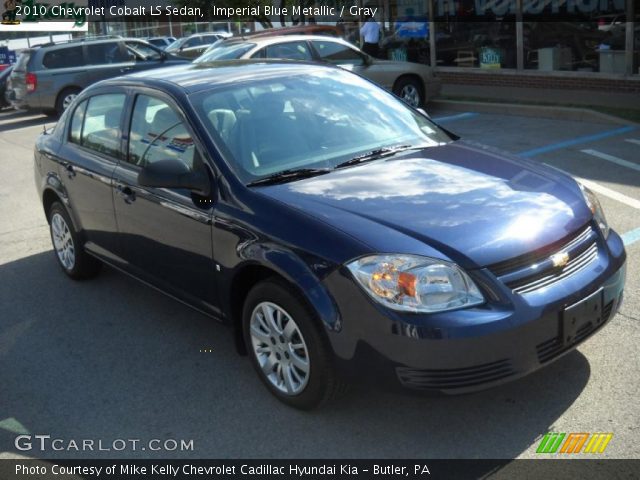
<point>158,133</point>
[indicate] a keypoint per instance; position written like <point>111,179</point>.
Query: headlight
<point>415,284</point>
<point>594,205</point>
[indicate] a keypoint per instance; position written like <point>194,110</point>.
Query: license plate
<point>576,316</point>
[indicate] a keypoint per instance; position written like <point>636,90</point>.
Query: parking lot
<point>112,359</point>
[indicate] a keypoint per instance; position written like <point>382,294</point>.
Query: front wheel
<point>287,348</point>
<point>410,90</point>
<point>67,246</point>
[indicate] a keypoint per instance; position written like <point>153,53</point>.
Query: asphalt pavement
<point>111,359</point>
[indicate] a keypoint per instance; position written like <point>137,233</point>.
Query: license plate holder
<point>574,317</point>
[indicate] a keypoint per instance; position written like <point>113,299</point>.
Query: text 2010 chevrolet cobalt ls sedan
<point>338,230</point>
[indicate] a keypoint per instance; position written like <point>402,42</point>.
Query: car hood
<point>469,202</point>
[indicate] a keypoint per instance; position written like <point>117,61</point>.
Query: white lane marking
<point>607,192</point>
<point>632,140</point>
<point>612,159</point>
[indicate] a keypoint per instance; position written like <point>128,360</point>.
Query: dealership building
<point>489,46</point>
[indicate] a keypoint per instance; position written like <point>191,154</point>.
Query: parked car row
<point>48,77</point>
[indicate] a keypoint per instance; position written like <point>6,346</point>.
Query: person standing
<point>370,33</point>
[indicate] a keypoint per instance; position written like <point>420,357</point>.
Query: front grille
<point>535,271</point>
<point>549,349</point>
<point>455,377</point>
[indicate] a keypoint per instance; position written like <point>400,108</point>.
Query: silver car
<point>413,82</point>
<point>48,77</point>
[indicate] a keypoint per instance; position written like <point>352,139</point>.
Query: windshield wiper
<point>288,175</point>
<point>378,153</point>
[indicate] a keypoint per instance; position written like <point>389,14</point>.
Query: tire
<point>67,246</point>
<point>279,342</point>
<point>65,98</point>
<point>410,90</point>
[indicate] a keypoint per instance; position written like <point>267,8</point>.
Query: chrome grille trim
<point>575,265</point>
<point>524,261</point>
<point>535,271</point>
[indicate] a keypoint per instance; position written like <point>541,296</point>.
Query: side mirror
<point>174,174</point>
<point>424,112</point>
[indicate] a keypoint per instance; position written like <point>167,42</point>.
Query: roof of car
<point>193,77</point>
<point>268,39</point>
<point>294,28</point>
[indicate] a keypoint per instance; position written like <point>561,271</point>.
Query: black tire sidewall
<point>321,378</point>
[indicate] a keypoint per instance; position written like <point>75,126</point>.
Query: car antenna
<point>44,128</point>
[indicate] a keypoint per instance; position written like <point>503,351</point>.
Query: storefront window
<point>408,36</point>
<point>483,44</point>
<point>575,36</point>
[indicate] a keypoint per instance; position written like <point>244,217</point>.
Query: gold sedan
<point>413,82</point>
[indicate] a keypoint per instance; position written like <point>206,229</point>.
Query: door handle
<point>70,170</point>
<point>126,193</point>
<point>126,69</point>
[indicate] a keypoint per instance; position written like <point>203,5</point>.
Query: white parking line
<point>612,159</point>
<point>632,140</point>
<point>607,192</point>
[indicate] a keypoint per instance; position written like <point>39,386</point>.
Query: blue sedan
<point>341,233</point>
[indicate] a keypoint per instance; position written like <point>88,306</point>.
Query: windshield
<point>318,119</point>
<point>224,51</point>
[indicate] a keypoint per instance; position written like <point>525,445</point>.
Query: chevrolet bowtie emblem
<point>560,259</point>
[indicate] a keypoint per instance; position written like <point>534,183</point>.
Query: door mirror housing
<point>174,174</point>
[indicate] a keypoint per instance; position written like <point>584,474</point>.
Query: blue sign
<point>7,56</point>
<point>412,27</point>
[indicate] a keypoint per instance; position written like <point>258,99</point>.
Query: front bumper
<point>476,348</point>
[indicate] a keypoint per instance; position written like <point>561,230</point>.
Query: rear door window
<point>289,50</point>
<point>100,120</point>
<point>105,53</point>
<point>64,58</point>
<point>193,42</point>
<point>337,53</point>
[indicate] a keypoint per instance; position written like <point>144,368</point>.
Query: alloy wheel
<point>279,348</point>
<point>63,241</point>
<point>411,95</point>
<point>68,99</point>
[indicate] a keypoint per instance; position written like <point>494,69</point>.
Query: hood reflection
<point>466,198</point>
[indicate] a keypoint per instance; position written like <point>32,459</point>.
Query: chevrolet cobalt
<point>341,233</point>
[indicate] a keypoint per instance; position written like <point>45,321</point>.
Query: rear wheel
<point>287,348</point>
<point>410,90</point>
<point>65,98</point>
<point>67,246</point>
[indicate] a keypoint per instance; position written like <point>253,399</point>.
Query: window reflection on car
<point>270,126</point>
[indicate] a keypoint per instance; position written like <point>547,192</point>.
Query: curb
<point>540,111</point>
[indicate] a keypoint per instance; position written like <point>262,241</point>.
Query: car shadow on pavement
<point>18,119</point>
<point>111,359</point>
